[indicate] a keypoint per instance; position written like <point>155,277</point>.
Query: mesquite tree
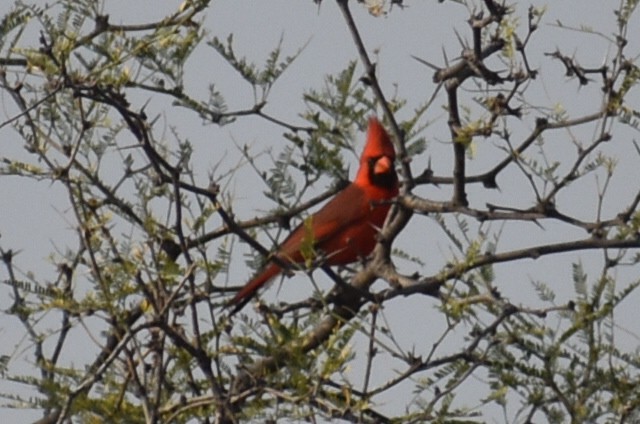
<point>503,283</point>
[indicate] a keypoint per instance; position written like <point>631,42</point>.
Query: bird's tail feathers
<point>248,291</point>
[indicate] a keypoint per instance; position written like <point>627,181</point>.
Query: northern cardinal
<point>345,228</point>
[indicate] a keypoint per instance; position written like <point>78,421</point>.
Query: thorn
<point>463,44</point>
<point>425,63</point>
<point>446,58</point>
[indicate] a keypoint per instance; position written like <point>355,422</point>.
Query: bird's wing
<point>346,208</point>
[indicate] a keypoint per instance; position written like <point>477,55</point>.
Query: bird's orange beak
<point>383,165</point>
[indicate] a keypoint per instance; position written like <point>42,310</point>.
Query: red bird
<point>344,229</point>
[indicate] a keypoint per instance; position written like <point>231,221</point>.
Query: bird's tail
<point>246,293</point>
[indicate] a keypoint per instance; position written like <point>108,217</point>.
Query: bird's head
<point>377,160</point>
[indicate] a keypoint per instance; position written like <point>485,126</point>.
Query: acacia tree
<point>126,321</point>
